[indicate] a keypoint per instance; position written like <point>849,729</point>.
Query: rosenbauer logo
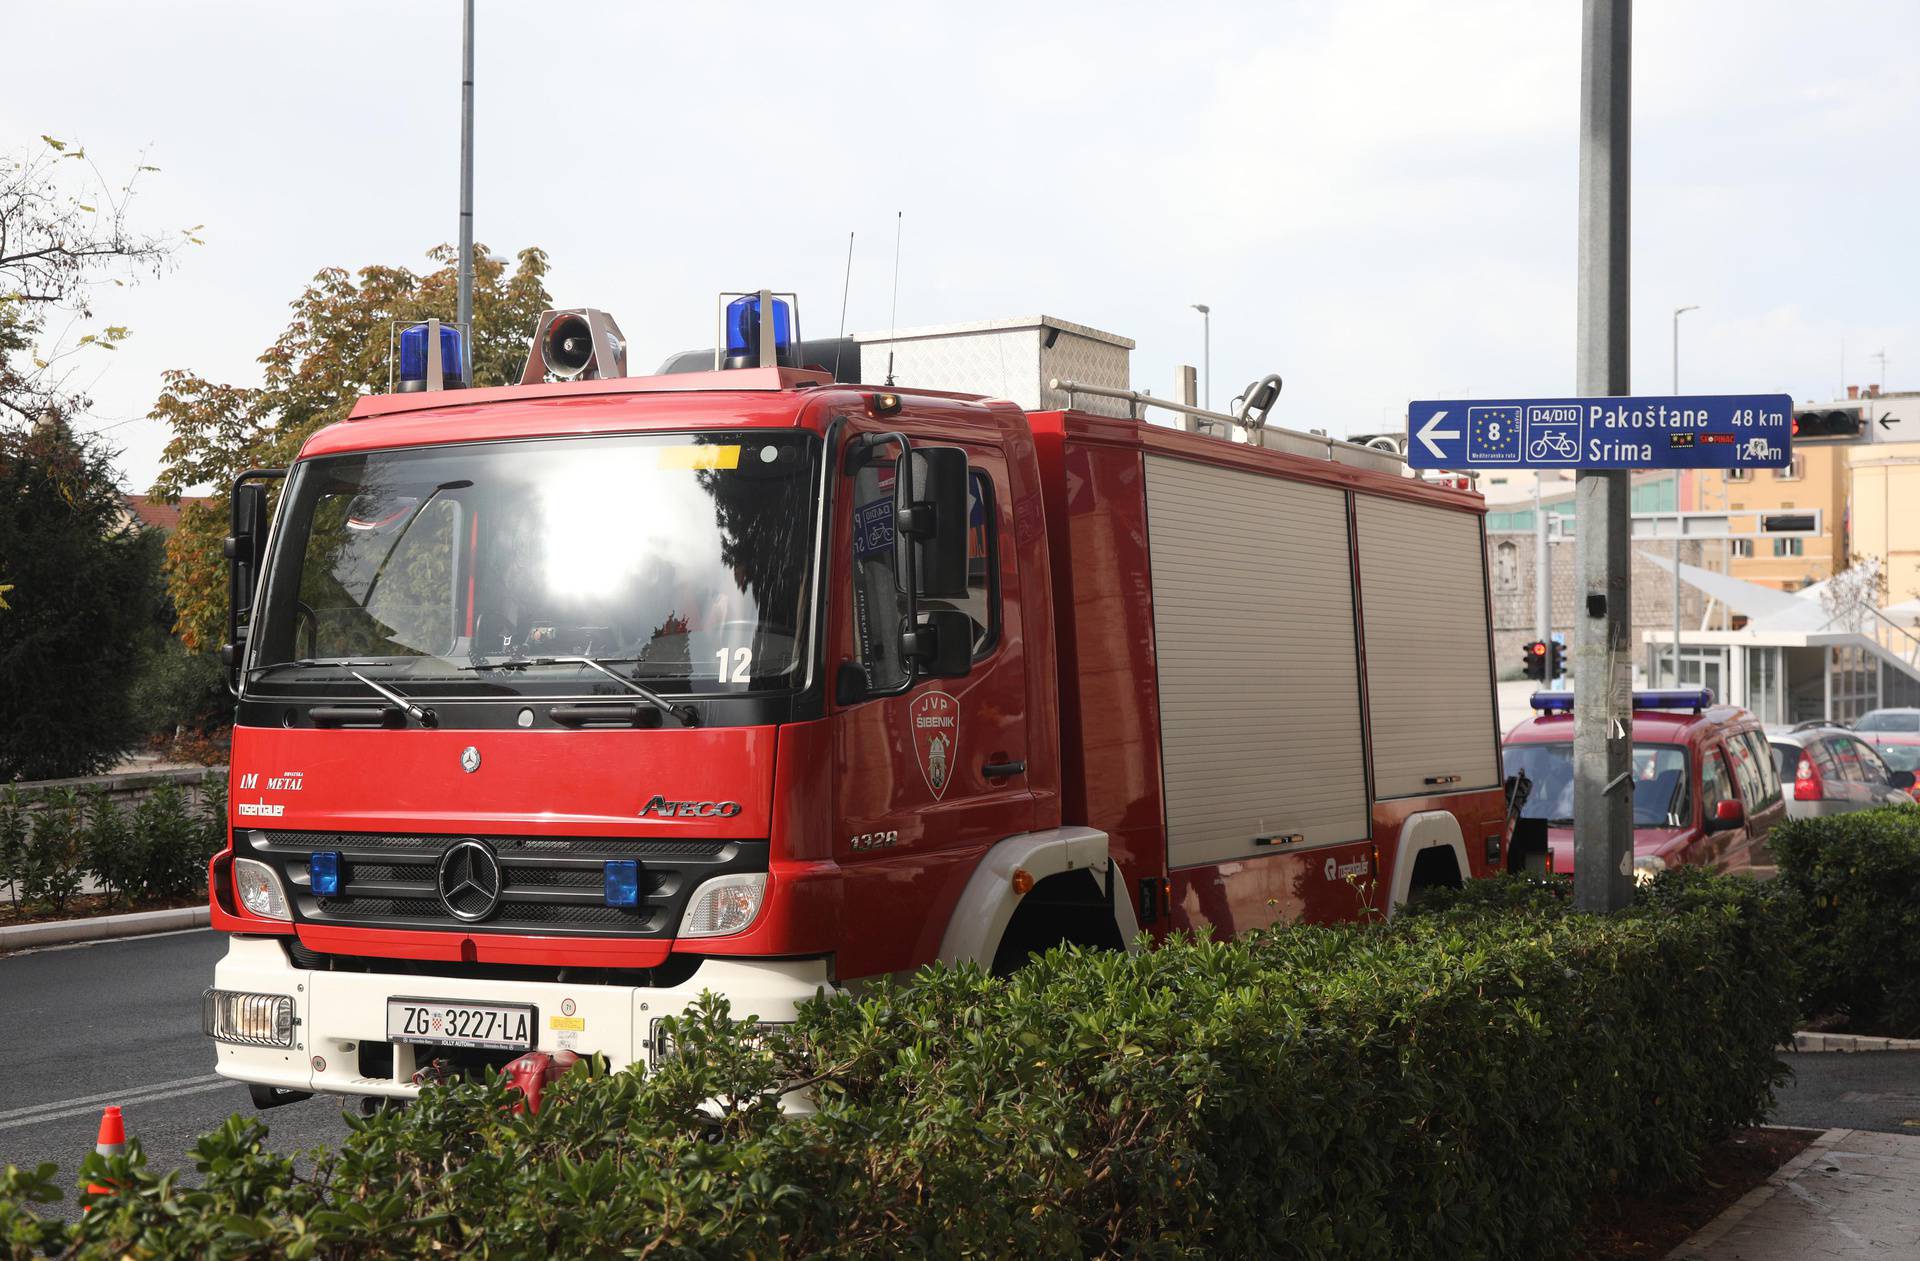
<point>936,738</point>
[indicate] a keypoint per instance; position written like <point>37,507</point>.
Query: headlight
<point>660,1044</point>
<point>724,905</point>
<point>1646,867</point>
<point>249,1019</point>
<point>258,888</point>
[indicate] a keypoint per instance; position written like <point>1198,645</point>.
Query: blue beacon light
<point>743,332</point>
<point>323,872</point>
<point>623,882</point>
<point>1695,699</point>
<point>413,358</point>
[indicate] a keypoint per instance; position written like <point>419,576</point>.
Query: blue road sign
<point>1686,431</point>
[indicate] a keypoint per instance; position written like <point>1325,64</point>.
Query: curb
<point>61,932</point>
<point>1850,1042</point>
<point>1736,1212</point>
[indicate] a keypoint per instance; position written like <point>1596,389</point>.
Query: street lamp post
<point>1677,518</point>
<point>1206,354</point>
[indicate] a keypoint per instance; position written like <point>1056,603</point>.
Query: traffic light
<point>1533,659</point>
<point>1826,423</point>
<point>1556,659</point>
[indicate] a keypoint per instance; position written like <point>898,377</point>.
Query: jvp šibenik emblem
<point>936,738</point>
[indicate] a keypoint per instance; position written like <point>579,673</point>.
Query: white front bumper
<point>337,1011</point>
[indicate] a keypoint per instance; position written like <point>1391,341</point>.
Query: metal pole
<point>1603,674</point>
<point>1206,354</point>
<point>1542,566</point>
<point>1678,521</point>
<point>465,314</point>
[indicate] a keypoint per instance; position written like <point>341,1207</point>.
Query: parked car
<point>1890,728</point>
<point>1705,788</point>
<point>1831,770</point>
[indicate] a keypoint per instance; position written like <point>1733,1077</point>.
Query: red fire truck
<point>563,702</point>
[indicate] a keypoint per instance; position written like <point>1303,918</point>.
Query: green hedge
<point>1462,1082</point>
<point>156,849</point>
<point>1855,886</point>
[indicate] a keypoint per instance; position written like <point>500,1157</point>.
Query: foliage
<point>64,231</point>
<point>83,609</point>
<point>334,350</point>
<point>1459,1082</point>
<point>177,691</point>
<point>157,849</point>
<point>1855,879</point>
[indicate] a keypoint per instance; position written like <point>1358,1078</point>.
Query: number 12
<point>742,664</point>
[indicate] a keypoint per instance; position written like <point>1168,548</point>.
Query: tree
<point>64,231</point>
<point>86,583</point>
<point>335,350</point>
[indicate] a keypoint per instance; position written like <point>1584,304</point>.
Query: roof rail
<point>1259,432</point>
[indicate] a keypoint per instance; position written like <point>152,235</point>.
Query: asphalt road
<point>119,1022</point>
<point>1868,1090</point>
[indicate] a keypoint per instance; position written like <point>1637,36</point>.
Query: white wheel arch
<point>988,903</point>
<point>1429,829</point>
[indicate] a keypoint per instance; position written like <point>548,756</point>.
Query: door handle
<point>1003,770</point>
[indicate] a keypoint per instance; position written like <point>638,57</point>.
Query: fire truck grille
<point>550,885</point>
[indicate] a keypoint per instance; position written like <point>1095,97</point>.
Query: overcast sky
<point>1377,197</point>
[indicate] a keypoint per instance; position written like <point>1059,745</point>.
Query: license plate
<point>445,1022</point>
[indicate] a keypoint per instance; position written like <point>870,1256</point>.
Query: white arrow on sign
<point>1428,433</point>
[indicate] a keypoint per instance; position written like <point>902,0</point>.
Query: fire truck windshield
<point>683,556</point>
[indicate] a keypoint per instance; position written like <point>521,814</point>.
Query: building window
<point>1789,547</point>
<point>1795,470</point>
<point>1739,474</point>
<point>1742,548</point>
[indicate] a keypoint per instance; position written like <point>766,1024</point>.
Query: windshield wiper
<point>686,715</point>
<point>425,717</point>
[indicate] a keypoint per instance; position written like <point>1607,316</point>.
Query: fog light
<point>323,872</point>
<point>623,883</point>
<point>248,1019</point>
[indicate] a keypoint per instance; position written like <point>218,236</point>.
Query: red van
<point>1705,791</point>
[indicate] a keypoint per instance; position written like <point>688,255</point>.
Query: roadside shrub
<point>1855,879</point>
<point>1462,1081</point>
<point>174,837</point>
<point>52,869</point>
<point>15,828</point>
<point>113,850</point>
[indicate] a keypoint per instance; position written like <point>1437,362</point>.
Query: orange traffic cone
<point>112,1142</point>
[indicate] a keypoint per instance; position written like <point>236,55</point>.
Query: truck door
<point>931,778</point>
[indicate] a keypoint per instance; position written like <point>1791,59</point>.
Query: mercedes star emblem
<point>469,880</point>
<point>469,759</point>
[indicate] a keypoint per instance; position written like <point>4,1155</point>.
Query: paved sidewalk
<point>1850,1194</point>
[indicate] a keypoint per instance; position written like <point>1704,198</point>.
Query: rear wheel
<point>1068,909</point>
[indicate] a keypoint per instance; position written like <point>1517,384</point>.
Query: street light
<point>1677,313</point>
<point>1677,518</point>
<point>1206,353</point>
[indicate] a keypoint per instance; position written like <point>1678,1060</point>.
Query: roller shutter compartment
<point>1258,669</point>
<point>1423,598</point>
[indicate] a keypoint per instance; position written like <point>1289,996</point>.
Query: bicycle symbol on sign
<point>1552,446</point>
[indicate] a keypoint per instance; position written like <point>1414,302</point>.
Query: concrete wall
<point>1511,577</point>
<point>129,788</point>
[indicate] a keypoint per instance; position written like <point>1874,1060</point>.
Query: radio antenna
<point>845,285</point>
<point>893,319</point>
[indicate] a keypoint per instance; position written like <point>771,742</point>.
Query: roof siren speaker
<point>583,344</point>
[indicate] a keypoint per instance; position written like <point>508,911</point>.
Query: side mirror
<point>930,523</point>
<point>1902,780</point>
<point>245,548</point>
<point>1726,814</point>
<point>941,646</point>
